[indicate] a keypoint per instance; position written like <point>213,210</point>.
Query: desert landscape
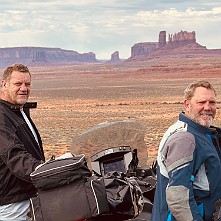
<point>72,98</point>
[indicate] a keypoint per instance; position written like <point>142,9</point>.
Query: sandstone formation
<point>182,38</point>
<point>145,48</point>
<point>174,41</point>
<point>181,44</point>
<point>115,57</point>
<point>42,56</point>
<point>162,39</point>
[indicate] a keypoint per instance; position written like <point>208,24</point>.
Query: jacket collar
<point>205,130</point>
<point>10,105</point>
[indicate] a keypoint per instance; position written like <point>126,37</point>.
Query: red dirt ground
<point>73,98</point>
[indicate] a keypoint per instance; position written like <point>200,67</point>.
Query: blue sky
<point>104,27</point>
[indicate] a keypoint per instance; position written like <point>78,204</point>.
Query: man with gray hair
<point>189,161</point>
<point>21,147</point>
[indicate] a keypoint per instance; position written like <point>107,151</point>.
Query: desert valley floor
<point>72,98</point>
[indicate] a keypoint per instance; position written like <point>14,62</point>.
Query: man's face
<point>202,106</point>
<point>17,89</point>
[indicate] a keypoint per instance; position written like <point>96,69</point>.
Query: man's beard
<point>204,118</point>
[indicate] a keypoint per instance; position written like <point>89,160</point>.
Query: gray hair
<point>189,91</point>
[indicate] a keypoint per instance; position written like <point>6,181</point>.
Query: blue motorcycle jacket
<point>188,172</point>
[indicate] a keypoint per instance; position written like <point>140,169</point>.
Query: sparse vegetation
<point>74,98</point>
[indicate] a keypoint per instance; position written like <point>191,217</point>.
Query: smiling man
<point>189,161</point>
<point>16,85</point>
<point>200,105</point>
<point>20,145</point>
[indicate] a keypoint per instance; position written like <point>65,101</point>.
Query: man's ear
<point>186,105</point>
<point>3,85</point>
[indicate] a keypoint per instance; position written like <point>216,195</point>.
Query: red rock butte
<point>181,43</point>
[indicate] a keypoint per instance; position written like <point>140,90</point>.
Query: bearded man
<point>189,161</point>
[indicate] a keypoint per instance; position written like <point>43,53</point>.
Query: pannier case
<point>67,191</point>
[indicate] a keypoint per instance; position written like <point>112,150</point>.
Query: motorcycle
<point>124,160</point>
<point>125,189</point>
<point>120,143</point>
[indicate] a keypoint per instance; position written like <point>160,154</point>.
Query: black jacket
<point>19,155</point>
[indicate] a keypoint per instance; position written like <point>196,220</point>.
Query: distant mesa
<point>115,57</point>
<point>34,56</point>
<point>179,44</point>
<point>178,39</point>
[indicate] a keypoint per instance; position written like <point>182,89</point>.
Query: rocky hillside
<point>35,56</point>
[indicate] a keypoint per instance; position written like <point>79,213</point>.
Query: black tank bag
<point>67,191</point>
<point>124,196</point>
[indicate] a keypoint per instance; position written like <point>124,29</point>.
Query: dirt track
<point>73,98</point>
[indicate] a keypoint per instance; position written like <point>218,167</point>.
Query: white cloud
<point>105,26</point>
